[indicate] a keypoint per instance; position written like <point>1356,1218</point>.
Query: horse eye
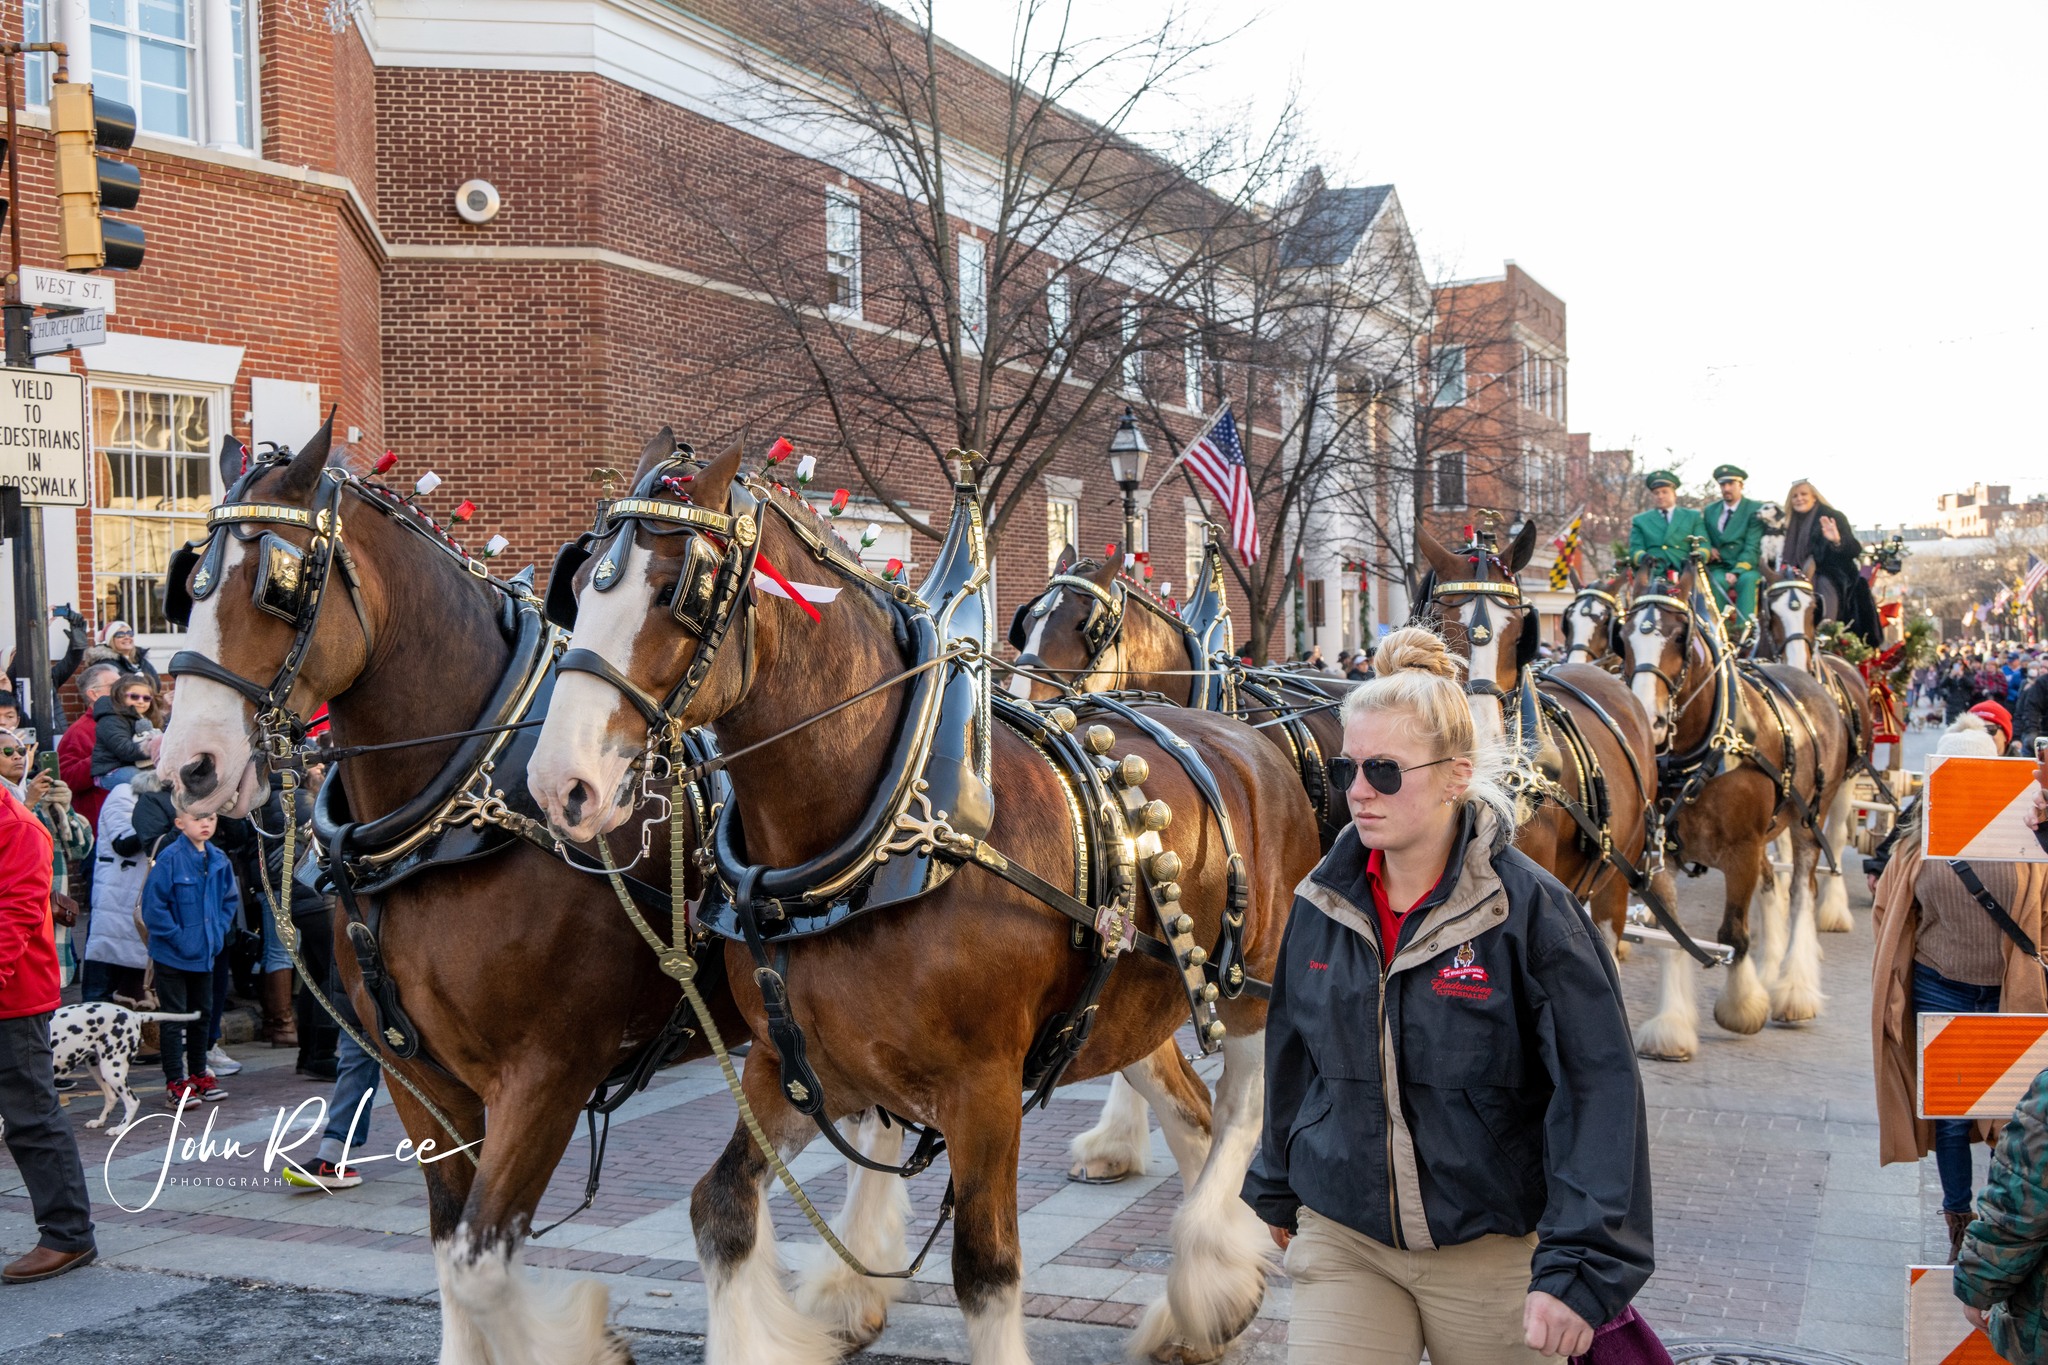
<point>667,593</point>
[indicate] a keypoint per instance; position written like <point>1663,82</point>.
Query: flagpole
<point>1193,441</point>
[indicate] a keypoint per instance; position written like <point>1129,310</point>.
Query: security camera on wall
<point>477,201</point>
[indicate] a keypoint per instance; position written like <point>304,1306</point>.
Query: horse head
<point>1791,612</point>
<point>681,619</point>
<point>1657,644</point>
<point>1592,623</point>
<point>1073,629</point>
<point>257,645</point>
<point>1471,597</point>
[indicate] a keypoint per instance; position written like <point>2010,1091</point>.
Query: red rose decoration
<point>465,510</point>
<point>780,451</point>
<point>386,461</point>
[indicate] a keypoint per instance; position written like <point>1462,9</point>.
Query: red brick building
<point>301,168</point>
<point>1497,426</point>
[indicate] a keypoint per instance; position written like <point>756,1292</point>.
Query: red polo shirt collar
<point>1390,923</point>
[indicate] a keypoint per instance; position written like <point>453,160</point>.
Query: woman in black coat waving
<point>1455,1155</point>
<point>1816,533</point>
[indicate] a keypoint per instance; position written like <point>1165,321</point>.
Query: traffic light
<point>89,184</point>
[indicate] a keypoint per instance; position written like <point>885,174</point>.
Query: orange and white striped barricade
<point>1937,1333</point>
<point>1978,1066</point>
<point>1979,807</point>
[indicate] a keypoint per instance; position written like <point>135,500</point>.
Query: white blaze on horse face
<point>1648,651</point>
<point>211,720</point>
<point>1581,627</point>
<point>1790,609</point>
<point>586,749</point>
<point>1020,686</point>
<point>1486,712</point>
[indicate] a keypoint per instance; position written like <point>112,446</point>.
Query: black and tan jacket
<point>1517,1107</point>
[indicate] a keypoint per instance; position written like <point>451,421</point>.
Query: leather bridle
<point>1785,585</point>
<point>713,593</point>
<point>291,584</point>
<point>1661,602</point>
<point>1099,632</point>
<point>1596,595</point>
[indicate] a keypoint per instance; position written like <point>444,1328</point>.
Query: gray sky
<point>1803,237</point>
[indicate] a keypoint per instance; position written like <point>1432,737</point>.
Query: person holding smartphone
<point>33,778</point>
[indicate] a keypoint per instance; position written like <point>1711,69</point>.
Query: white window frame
<point>842,249</point>
<point>972,268</point>
<point>1191,553</point>
<point>217,399</point>
<point>1193,391</point>
<point>1132,364</point>
<point>218,82</point>
<point>1447,376</point>
<point>1058,510</point>
<point>1059,315</point>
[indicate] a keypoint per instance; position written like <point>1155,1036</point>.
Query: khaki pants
<point>1357,1302</point>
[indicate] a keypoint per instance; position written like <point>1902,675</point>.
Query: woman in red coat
<point>38,1136</point>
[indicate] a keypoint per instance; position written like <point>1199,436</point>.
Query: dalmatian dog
<point>105,1037</point>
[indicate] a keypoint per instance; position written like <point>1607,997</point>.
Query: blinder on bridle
<point>1481,629</point>
<point>1098,632</point>
<point>718,563</point>
<point>195,568</point>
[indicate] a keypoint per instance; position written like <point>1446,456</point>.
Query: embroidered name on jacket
<point>1463,978</point>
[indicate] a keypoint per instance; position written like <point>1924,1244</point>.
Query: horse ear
<point>1571,573</point>
<point>1806,569</point>
<point>1112,564</point>
<point>304,470</point>
<point>660,446</point>
<point>1066,560</point>
<point>1429,548</point>
<point>234,460</point>
<point>1523,547</point>
<point>713,487</point>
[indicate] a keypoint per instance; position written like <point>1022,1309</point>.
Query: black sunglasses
<point>1383,773</point>
<point>9,752</point>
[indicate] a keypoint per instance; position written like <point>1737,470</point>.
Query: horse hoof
<point>858,1339</point>
<point>1180,1353</point>
<point>1621,950</point>
<point>1098,1173</point>
<point>1650,1056</point>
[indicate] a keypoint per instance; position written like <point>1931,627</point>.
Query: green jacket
<point>1661,546</point>
<point>2000,1268</point>
<point>1741,546</point>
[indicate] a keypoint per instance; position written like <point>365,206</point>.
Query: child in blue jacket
<point>187,905</point>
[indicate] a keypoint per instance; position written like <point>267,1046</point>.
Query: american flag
<point>1217,457</point>
<point>2037,574</point>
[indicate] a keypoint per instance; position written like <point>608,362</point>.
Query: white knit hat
<point>1969,737</point>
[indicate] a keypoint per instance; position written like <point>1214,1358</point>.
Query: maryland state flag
<point>1567,552</point>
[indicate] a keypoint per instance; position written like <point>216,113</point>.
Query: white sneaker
<point>219,1063</point>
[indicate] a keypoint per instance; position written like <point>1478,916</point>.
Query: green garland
<point>1836,638</point>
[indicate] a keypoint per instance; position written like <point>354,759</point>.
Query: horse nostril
<point>197,777</point>
<point>572,804</point>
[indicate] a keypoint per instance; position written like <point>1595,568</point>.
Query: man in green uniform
<point>1657,538</point>
<point>1735,540</point>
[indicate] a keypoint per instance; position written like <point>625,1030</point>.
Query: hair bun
<point>1414,649</point>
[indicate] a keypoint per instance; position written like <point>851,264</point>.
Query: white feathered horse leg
<point>1119,1143</point>
<point>1832,913</point>
<point>855,1308</point>
<point>1672,1034</point>
<point>1796,995</point>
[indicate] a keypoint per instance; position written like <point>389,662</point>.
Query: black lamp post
<point>1127,455</point>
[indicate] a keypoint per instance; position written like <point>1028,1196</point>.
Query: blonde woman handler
<point>1490,1199</point>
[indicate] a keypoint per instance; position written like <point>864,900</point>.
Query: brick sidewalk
<point>1774,1223</point>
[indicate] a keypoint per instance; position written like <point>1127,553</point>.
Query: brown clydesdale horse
<point>1619,755</point>
<point>1725,733</point>
<point>929,1008</point>
<point>1070,634</point>
<point>524,981</point>
<point>1788,630</point>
